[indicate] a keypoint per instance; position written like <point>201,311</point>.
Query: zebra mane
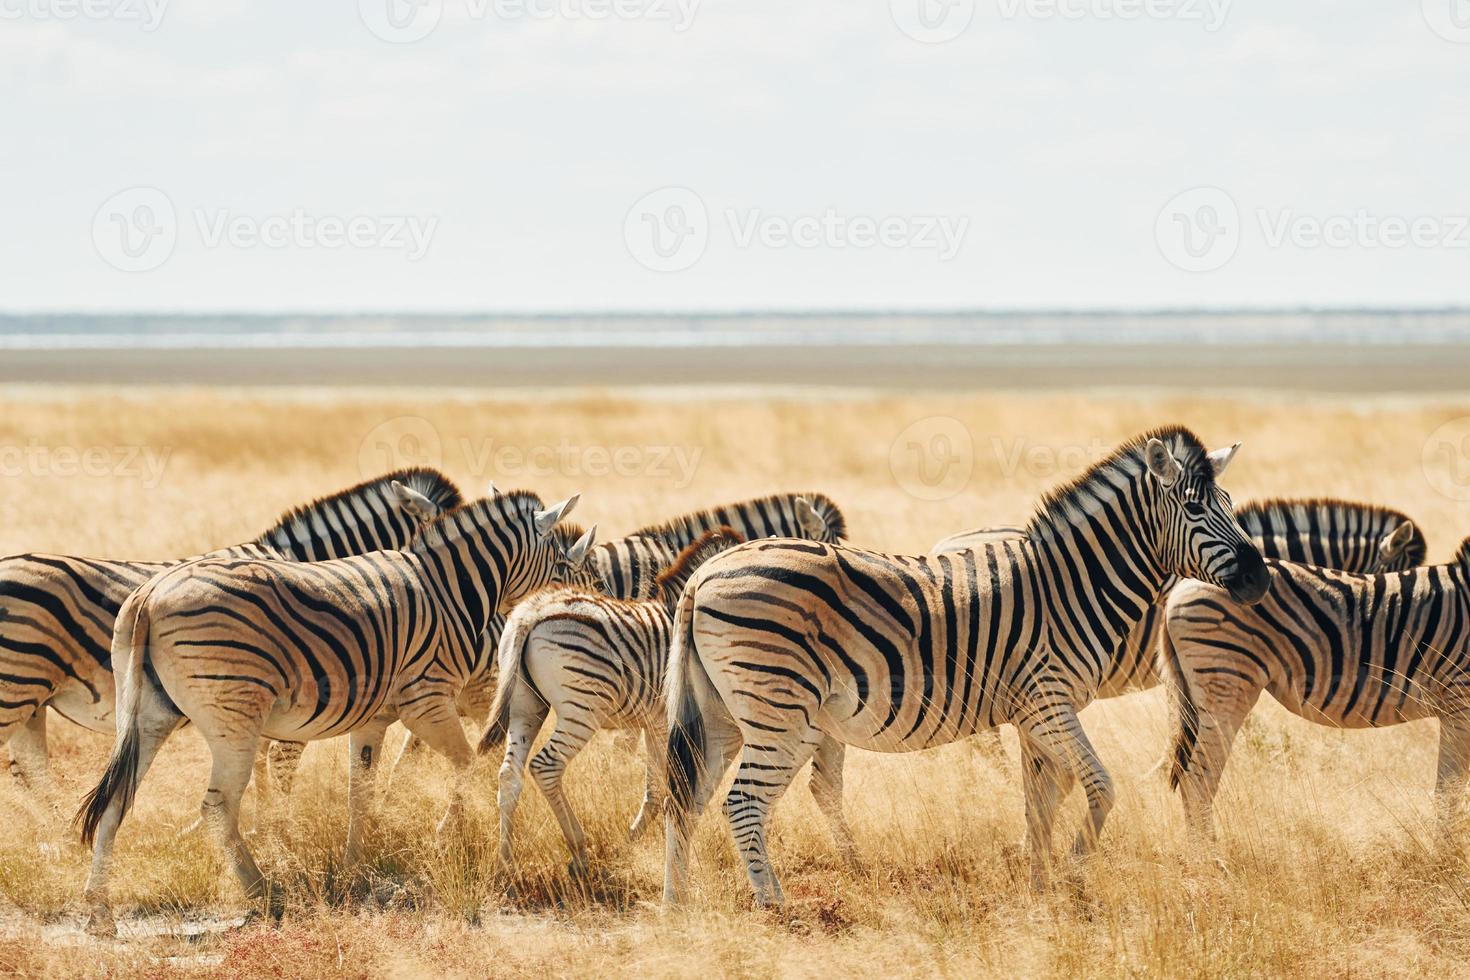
<point>1462,555</point>
<point>1123,465</point>
<point>670,582</point>
<point>296,523</point>
<point>714,517</point>
<point>1316,514</point>
<point>515,505</point>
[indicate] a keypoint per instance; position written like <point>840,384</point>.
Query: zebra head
<point>541,549</point>
<point>574,564</point>
<point>1199,535</point>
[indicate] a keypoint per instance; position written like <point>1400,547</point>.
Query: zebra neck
<point>1099,573</point>
<point>467,579</point>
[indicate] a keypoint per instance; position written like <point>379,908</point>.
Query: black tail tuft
<point>120,781</point>
<point>686,757</point>
<point>494,736</point>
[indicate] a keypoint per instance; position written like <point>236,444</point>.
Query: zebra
<point>779,643</point>
<point>598,662</point>
<point>1339,649</point>
<point>245,648</point>
<point>57,611</point>
<point>1330,533</point>
<point>626,568</point>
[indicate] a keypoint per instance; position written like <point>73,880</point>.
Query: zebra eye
<point>1194,509</point>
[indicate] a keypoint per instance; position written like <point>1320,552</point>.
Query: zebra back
<point>358,520</point>
<point>783,515</point>
<point>671,580</point>
<point>1340,534</point>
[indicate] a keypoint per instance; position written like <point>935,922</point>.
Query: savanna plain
<point>1329,861</point>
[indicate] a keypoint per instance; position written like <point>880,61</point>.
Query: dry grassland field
<point>1330,866</point>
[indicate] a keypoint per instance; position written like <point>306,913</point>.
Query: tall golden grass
<point>1329,862</point>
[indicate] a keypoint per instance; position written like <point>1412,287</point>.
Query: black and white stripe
<point>247,648</point>
<point>1340,649</point>
<point>780,643</point>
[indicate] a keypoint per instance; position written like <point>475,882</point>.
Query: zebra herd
<point>750,634</point>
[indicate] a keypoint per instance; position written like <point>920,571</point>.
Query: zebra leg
<point>437,723</point>
<point>826,787</point>
<point>152,733</point>
<point>1044,784</point>
<point>1216,723</point>
<point>29,758</point>
<point>1450,774</point>
<point>233,760</point>
<point>656,763</point>
<point>766,770</point>
<point>364,749</point>
<point>575,727</point>
<point>526,714</point>
<point>1060,738</point>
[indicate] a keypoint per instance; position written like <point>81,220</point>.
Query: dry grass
<point>1325,834</point>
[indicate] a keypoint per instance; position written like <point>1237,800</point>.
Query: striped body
<point>57,612</point>
<point>303,651</point>
<point>1338,534</point>
<point>1351,651</point>
<point>780,644</point>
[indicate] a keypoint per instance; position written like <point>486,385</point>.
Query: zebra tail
<point>1181,699</point>
<point>120,779</point>
<point>508,656</point>
<point>686,722</point>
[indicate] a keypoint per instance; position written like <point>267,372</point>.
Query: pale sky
<point>732,154</point>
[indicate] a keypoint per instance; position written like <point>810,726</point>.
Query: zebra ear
<point>577,553</point>
<point>809,520</point>
<point>1395,541</point>
<point>1220,458</point>
<point>413,503</point>
<point>547,519</point>
<point>490,490</point>
<point>1161,463</point>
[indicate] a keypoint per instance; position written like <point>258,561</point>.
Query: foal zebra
<point>598,662</point>
<point>778,643</point>
<point>245,648</point>
<point>57,612</point>
<point>1351,651</point>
